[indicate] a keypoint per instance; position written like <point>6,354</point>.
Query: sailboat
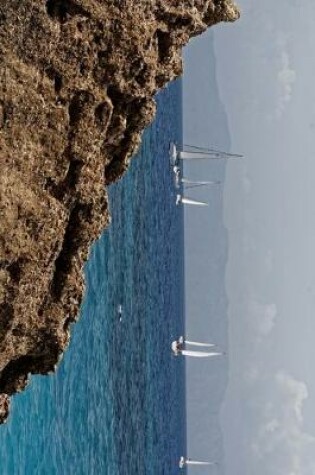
<point>177,349</point>
<point>190,183</point>
<point>199,153</point>
<point>189,201</point>
<point>183,461</point>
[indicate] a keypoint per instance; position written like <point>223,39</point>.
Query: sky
<point>263,69</point>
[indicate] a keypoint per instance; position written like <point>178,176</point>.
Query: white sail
<point>204,149</point>
<point>198,343</point>
<point>199,155</point>
<point>186,461</point>
<point>197,147</point>
<point>198,183</point>
<point>189,201</point>
<point>199,354</point>
<point>205,155</point>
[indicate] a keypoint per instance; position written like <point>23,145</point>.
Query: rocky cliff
<point>77,85</point>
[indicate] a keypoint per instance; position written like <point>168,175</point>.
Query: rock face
<point>77,81</point>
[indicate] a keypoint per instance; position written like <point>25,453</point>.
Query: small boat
<point>173,153</point>
<point>120,312</point>
<point>177,349</point>
<point>183,462</point>
<point>177,345</point>
<point>177,179</point>
<point>189,201</point>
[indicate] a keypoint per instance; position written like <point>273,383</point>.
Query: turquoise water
<point>117,402</point>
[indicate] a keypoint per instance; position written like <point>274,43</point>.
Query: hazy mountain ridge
<point>207,243</point>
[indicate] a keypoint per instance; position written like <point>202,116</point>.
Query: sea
<point>116,405</point>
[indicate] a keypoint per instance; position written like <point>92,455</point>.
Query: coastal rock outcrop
<point>77,85</point>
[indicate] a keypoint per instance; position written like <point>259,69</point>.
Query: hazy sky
<point>264,70</point>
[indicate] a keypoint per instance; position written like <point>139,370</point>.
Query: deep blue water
<point>116,405</point>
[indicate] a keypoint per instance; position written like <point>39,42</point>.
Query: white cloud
<point>295,393</point>
<point>281,444</point>
<point>286,78</point>
<point>262,316</point>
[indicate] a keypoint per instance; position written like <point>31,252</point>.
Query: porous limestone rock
<point>77,85</point>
